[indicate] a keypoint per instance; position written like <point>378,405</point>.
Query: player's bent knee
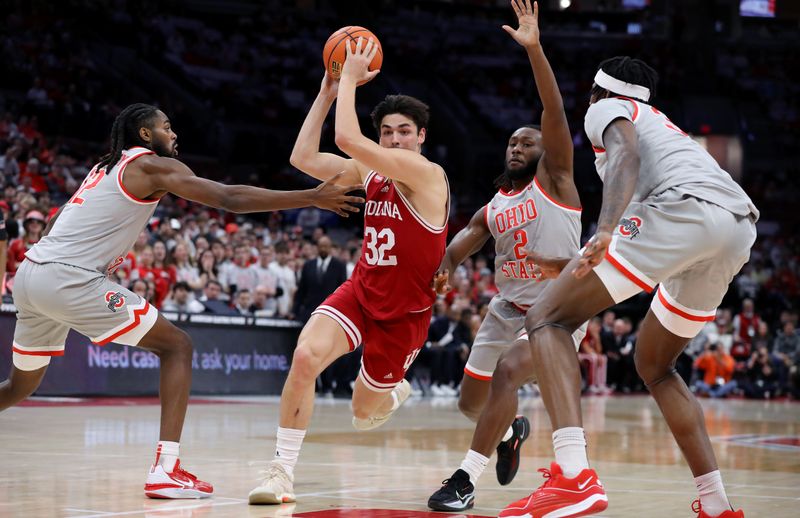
<point>470,409</point>
<point>511,373</point>
<point>651,372</point>
<point>178,345</point>
<point>305,362</point>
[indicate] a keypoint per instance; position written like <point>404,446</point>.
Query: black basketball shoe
<point>508,451</point>
<point>457,494</point>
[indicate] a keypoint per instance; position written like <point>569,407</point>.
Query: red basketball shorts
<point>390,346</point>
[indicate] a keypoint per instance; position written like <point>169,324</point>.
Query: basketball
<point>334,53</point>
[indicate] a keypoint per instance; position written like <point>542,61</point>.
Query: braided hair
<point>503,181</point>
<point>629,70</point>
<point>125,132</point>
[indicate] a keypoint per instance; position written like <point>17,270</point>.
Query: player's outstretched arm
<point>619,184</point>
<point>168,174</point>
<point>556,137</point>
<point>402,165</point>
<point>306,155</point>
<point>468,241</point>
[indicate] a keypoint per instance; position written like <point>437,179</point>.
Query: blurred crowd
<point>253,73</point>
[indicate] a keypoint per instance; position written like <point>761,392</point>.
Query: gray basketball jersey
<point>670,159</point>
<point>99,224</point>
<point>529,219</point>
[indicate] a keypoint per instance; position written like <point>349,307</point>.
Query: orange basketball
<point>334,53</point>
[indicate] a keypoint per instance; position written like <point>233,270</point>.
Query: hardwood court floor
<point>90,460</point>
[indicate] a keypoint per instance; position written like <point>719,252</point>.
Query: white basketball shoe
<point>400,393</point>
<point>277,486</point>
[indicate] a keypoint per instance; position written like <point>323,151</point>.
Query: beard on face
<point>528,170</point>
<point>164,149</point>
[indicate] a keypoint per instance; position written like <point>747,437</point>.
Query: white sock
<point>508,434</point>
<point>287,449</point>
<point>713,499</point>
<point>570,446</point>
<point>474,464</point>
<point>167,453</point>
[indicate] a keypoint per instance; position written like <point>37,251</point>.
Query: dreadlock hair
<point>503,181</point>
<point>630,70</point>
<point>125,132</point>
<point>413,108</point>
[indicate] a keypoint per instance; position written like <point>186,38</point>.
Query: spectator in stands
<point>309,219</point>
<point>239,275</point>
<point>319,278</point>
<point>185,270</point>
<point>763,337</point>
<point>266,279</point>
<point>592,358</point>
<point>786,351</point>
<point>207,267</point>
<point>32,178</point>
<point>264,302</point>
<point>164,273</point>
<point>445,346</point>
<point>141,288</point>
<point>717,368</point>
<point>182,300</point>
<point>286,278</point>
<point>33,224</point>
<point>355,255</point>
<point>620,359</point>
<point>213,302</point>
<point>746,323</point>
<point>761,381</point>
<point>242,302</point>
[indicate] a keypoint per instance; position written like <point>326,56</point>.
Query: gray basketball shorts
<point>689,248</point>
<point>504,324</point>
<point>51,298</point>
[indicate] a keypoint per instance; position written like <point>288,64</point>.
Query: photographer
<point>717,366</point>
<point>762,376</point>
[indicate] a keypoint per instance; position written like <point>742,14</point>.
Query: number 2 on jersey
<point>90,182</point>
<point>377,253</point>
<point>520,242</point>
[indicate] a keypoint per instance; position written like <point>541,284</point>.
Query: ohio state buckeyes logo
<point>115,300</point>
<point>629,227</point>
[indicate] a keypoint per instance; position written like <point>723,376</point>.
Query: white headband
<point>612,84</point>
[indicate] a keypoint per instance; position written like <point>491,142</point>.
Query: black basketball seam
<point>328,60</point>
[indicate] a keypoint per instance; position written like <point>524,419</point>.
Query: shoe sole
<point>174,493</point>
<point>437,506</point>
<point>592,505</point>
<point>526,432</point>
<point>269,498</point>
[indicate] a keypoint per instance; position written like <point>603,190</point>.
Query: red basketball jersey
<point>400,254</point>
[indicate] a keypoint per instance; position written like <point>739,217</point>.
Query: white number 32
<point>377,254</point>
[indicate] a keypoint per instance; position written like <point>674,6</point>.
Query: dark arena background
<point>236,79</point>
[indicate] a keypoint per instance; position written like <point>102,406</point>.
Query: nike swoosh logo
<point>584,483</point>
<point>463,498</point>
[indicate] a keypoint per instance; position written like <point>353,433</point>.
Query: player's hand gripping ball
<point>334,53</point>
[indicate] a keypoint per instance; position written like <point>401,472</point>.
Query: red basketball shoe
<point>561,496</point>
<point>696,507</point>
<point>178,484</point>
